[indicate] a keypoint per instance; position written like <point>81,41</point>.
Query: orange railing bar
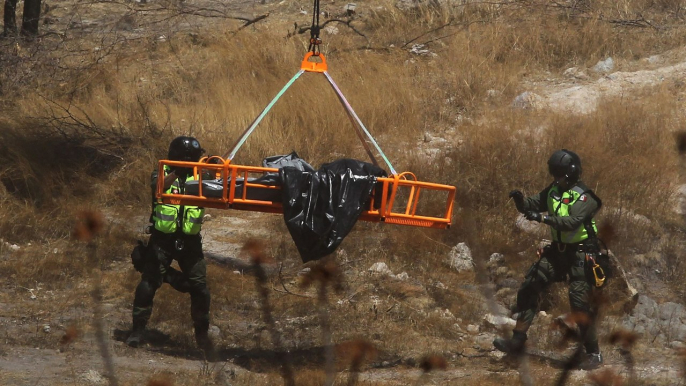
<point>229,199</point>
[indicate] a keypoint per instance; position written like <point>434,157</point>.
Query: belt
<point>563,247</point>
<point>175,240</point>
<point>587,245</point>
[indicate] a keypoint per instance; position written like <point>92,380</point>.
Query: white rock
<point>304,271</point>
<point>446,314</point>
<point>493,93</point>
<point>527,100</point>
<point>93,377</point>
<point>473,329</point>
<point>654,59</point>
<point>349,8</point>
<point>496,258</point>
<point>380,268</point>
<point>402,276</point>
<point>46,328</point>
<point>499,321</point>
<point>575,73</point>
<point>460,258</point>
<point>237,272</point>
<point>331,30</point>
<point>677,345</point>
<point>214,333</point>
<point>604,66</point>
<point>421,50</point>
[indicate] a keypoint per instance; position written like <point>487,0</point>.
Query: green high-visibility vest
<point>166,216</point>
<point>558,205</point>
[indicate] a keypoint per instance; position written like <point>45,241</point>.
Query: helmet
<point>565,163</point>
<point>185,149</point>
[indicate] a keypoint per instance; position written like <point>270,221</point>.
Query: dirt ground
<point>39,346</point>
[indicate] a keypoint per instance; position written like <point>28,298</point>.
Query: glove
<point>517,196</point>
<point>533,216</point>
<point>182,173</point>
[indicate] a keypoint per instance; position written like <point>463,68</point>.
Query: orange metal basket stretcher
<point>398,201</point>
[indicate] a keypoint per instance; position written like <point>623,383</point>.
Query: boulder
<point>604,66</point>
<point>460,258</point>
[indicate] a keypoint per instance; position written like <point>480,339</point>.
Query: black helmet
<point>565,163</point>
<point>185,149</point>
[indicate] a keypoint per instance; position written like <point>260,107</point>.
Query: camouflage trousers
<point>192,279</point>
<point>555,266</point>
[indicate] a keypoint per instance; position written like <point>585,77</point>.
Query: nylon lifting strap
<point>359,127</point>
<point>259,118</point>
<point>357,123</point>
<point>351,115</point>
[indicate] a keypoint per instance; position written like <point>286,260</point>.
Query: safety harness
<point>598,272</point>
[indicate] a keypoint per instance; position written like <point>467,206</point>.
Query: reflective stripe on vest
<point>166,216</point>
<point>559,205</point>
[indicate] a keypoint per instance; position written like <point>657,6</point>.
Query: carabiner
<point>599,275</point>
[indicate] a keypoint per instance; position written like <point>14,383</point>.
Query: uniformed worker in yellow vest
<point>175,235</point>
<point>570,206</point>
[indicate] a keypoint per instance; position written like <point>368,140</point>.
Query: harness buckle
<point>178,244</point>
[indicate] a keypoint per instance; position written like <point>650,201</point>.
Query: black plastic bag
<point>215,189</point>
<point>280,161</point>
<point>320,208</point>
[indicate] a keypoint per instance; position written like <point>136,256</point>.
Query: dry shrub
<point>605,377</point>
<point>433,362</point>
<point>207,91</point>
<point>626,150</point>
<point>160,381</point>
<point>146,92</point>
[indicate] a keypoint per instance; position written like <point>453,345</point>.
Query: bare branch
<point>253,21</point>
<point>449,23</point>
<point>302,30</point>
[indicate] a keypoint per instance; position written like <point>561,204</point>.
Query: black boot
<point>515,345</point>
<point>592,361</point>
<point>136,336</point>
<point>202,339</point>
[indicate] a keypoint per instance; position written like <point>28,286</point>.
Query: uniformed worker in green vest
<point>175,235</point>
<point>570,207</point>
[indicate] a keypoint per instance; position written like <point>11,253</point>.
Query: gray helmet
<point>185,149</point>
<point>565,163</point>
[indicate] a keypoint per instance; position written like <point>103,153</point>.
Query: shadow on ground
<point>256,360</point>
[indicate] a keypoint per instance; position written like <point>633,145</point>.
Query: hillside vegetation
<point>88,107</point>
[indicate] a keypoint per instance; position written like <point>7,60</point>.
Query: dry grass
<point>88,133</point>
